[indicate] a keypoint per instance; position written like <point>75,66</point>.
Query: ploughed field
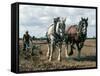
<point>39,62</point>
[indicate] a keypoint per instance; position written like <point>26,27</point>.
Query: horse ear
<point>81,18</point>
<point>87,19</point>
<point>64,19</point>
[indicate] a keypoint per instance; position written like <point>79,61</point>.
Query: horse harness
<point>82,36</point>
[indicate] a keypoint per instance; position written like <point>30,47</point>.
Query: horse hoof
<point>49,59</point>
<point>59,59</point>
<point>67,56</point>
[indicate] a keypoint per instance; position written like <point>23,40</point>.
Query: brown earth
<point>40,61</point>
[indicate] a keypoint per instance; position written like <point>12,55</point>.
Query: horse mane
<point>50,26</point>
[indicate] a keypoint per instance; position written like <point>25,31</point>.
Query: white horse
<point>55,39</point>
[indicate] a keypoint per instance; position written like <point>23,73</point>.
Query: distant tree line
<point>92,37</point>
<point>41,38</point>
<point>44,38</point>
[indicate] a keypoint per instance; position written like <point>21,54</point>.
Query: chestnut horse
<point>76,34</point>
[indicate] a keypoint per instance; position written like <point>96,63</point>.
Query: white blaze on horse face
<point>84,27</point>
<point>57,28</point>
<point>84,30</point>
<point>60,32</point>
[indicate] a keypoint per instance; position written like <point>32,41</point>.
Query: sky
<point>37,19</point>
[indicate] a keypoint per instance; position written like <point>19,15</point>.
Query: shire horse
<point>55,39</point>
<point>76,34</point>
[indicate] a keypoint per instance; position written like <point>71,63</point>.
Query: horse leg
<point>51,50</point>
<point>59,56</point>
<point>79,50</point>
<point>66,50</point>
<point>48,52</point>
<point>71,49</point>
<point>80,45</point>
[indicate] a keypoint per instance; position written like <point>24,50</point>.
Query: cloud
<point>33,31</point>
<point>37,19</point>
